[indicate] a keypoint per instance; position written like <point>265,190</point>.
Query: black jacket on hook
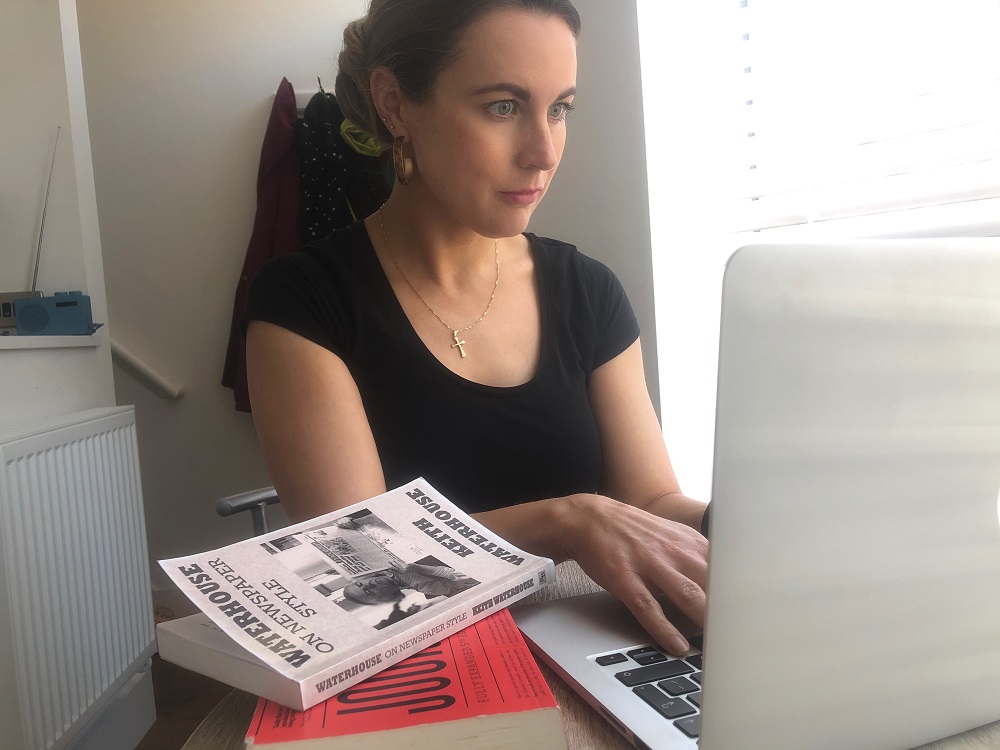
<point>339,185</point>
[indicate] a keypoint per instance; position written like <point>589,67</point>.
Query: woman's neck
<point>429,246</point>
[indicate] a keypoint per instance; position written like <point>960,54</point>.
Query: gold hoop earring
<point>402,165</point>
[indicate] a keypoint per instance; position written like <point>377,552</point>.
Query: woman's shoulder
<point>326,258</point>
<point>553,248</point>
<point>315,292</point>
<point>340,246</point>
<point>593,303</point>
<point>566,258</point>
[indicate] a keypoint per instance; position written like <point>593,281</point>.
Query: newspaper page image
<point>309,596</point>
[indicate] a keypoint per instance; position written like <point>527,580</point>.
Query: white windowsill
<point>48,342</point>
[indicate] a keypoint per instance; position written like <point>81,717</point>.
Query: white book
<point>299,614</point>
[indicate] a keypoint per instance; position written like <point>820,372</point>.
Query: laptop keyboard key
<point>648,655</point>
<point>610,659</point>
<point>662,671</point>
<point>691,726</point>
<point>667,707</point>
<point>695,698</point>
<point>677,686</point>
<point>654,658</point>
<point>694,660</point>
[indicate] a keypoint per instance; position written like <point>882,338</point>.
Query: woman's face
<point>488,141</point>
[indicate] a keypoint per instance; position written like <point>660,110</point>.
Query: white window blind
<point>857,107</point>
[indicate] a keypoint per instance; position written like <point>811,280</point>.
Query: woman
<point>435,339</point>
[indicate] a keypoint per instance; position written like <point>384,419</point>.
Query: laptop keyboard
<point>671,686</point>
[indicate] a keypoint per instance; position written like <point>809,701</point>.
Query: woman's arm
<point>310,422</point>
<point>671,556</point>
<point>643,542</point>
<point>637,469</point>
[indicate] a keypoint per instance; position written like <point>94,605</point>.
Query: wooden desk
<point>225,727</point>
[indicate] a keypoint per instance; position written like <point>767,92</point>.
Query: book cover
<point>321,605</point>
<point>478,688</point>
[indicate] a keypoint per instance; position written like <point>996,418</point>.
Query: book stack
<point>303,613</point>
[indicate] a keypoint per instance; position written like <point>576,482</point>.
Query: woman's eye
<point>504,108</point>
<point>560,110</point>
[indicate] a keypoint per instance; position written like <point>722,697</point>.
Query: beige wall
<point>179,95</point>
<point>41,89</point>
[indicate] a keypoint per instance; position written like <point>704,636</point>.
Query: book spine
<point>514,589</point>
<point>448,621</point>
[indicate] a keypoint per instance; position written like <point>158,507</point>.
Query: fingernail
<point>677,646</point>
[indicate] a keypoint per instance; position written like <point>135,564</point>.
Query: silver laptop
<point>854,572</point>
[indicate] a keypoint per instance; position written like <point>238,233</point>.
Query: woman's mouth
<point>523,197</point>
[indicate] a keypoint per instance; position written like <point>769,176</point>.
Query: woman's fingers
<point>658,568</point>
<point>667,618</point>
<point>678,609</point>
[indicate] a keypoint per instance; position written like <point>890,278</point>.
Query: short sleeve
<point>616,327</point>
<point>295,292</point>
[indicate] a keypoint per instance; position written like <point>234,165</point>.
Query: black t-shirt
<point>484,447</point>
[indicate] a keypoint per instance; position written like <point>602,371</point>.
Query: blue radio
<point>62,314</point>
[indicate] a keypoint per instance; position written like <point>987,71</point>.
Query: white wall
<point>40,90</point>
<point>179,95</point>
<point>686,67</point>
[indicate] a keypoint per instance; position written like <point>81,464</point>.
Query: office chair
<point>255,502</point>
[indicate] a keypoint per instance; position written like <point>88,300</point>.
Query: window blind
<point>858,107</point>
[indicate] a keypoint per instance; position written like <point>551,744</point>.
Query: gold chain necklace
<point>459,344</point>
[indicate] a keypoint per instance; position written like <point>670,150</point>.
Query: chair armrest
<point>254,501</point>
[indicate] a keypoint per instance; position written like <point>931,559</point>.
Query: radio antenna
<point>45,208</point>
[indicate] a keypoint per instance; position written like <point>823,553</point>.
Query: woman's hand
<point>636,555</point>
<point>648,543</point>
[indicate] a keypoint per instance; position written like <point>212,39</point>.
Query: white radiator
<point>76,621</point>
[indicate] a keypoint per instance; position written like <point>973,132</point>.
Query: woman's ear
<point>388,99</point>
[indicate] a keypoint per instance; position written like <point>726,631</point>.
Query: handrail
<point>144,373</point>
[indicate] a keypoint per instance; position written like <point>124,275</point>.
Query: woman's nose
<point>539,149</point>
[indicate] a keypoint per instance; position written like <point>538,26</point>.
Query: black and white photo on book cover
<point>364,565</point>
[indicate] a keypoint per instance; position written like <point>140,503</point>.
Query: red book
<point>478,688</point>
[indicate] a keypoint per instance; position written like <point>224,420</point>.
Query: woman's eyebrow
<point>518,91</point>
<point>504,88</point>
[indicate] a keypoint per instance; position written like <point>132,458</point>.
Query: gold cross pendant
<point>458,344</point>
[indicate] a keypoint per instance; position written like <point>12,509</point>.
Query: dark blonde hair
<point>415,40</point>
